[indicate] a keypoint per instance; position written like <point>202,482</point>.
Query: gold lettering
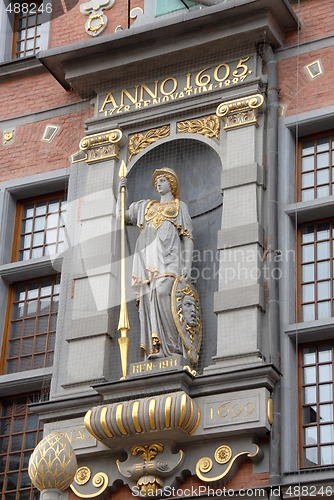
<point>163,84</point>
<point>145,88</point>
<point>135,369</point>
<point>216,72</point>
<point>109,99</point>
<point>149,366</point>
<point>126,93</point>
<point>188,81</point>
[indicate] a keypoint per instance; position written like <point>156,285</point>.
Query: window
<point>316,375</point>
<point>20,432</point>
<point>317,270</point>
<point>27,28</point>
<point>316,166</point>
<point>166,6</point>
<point>41,230</point>
<point>32,329</point>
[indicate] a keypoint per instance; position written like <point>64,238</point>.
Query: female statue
<point>163,253</point>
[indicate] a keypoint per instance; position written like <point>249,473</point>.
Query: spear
<point>123,323</point>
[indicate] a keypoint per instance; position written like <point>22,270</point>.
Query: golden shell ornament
<point>53,463</point>
<point>149,485</point>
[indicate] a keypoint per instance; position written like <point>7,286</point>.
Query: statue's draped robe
<point>157,262</point>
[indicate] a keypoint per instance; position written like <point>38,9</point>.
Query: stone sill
<point>29,269</point>
<point>305,211</point>
<point>321,329</point>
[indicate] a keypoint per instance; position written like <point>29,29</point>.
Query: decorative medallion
<point>208,126</point>
<point>187,317</point>
<point>240,112</point>
<point>8,137</point>
<point>82,475</point>
<point>97,20</point>
<point>139,142</point>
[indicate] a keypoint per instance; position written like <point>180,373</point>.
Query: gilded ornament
<point>240,112</point>
<point>163,412</point>
<point>8,136</point>
<point>97,20</point>
<point>139,142</point>
<point>82,475</point>
<point>96,23</point>
<point>208,126</point>
<point>53,463</point>
<point>270,411</point>
<point>223,454</point>
<point>205,464</point>
<point>187,317</point>
<point>149,485</point>
<point>101,139</point>
<point>100,480</point>
<point>147,452</point>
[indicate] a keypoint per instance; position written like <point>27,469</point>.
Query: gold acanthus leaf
<point>208,126</point>
<point>139,142</point>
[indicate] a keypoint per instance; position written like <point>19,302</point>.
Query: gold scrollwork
<point>148,452</point>
<point>208,126</point>
<point>139,142</point>
<point>101,139</point>
<point>205,464</point>
<point>239,112</point>
<point>100,480</point>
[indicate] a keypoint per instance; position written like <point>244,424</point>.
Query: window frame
<point>7,30</point>
<point>301,404</point>
<point>301,140</point>
<point>39,21</point>
<point>299,270</point>
<point>39,436</point>
<point>19,218</point>
<point>8,321</point>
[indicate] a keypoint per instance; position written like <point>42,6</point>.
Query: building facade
<point>236,96</point>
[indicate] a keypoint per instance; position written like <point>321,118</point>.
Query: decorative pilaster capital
<point>99,147</point>
<point>240,112</point>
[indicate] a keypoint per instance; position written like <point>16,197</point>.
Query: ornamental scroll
<point>240,112</point>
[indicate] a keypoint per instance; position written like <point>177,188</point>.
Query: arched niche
<point>198,167</point>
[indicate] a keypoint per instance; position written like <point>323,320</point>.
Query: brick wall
<point>27,155</point>
<point>316,21</point>
<point>297,90</point>
<point>70,27</point>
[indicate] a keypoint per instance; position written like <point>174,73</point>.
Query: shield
<point>187,317</point>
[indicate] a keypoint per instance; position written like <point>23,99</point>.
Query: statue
<point>163,257</point>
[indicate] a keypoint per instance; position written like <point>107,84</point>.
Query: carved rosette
<point>92,486</point>
<point>99,147</point>
<point>139,142</point>
<point>208,126</point>
<point>225,463</point>
<point>167,412</point>
<point>240,112</point>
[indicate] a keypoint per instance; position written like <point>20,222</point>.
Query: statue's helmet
<point>172,178</point>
